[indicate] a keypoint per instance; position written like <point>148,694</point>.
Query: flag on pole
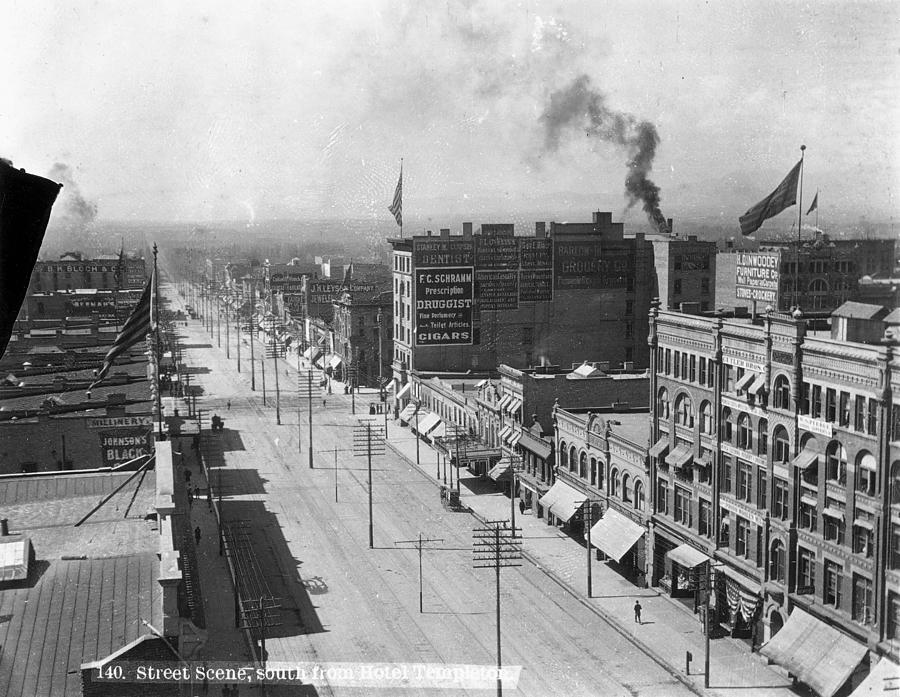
<point>783,197</point>
<point>815,204</point>
<point>25,204</point>
<point>140,322</point>
<point>396,207</point>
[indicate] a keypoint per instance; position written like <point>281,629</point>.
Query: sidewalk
<point>669,629</point>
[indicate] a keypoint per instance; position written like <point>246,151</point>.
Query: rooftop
<point>632,425</point>
<point>92,602</point>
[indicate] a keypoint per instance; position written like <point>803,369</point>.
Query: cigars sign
<point>123,438</point>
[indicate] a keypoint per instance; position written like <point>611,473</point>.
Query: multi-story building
<point>685,271</point>
<point>829,271</point>
<point>775,472</point>
<point>362,333</point>
<point>476,301</point>
<point>72,271</point>
<point>603,459</point>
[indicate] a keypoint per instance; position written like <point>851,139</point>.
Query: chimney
<point>467,229</point>
<point>540,230</point>
<point>445,232</point>
<point>671,226</point>
<point>428,233</point>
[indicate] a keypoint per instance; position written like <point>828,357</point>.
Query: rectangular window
<point>872,421</point>
<point>684,366</point>
<point>693,367</point>
<point>527,336</point>
<point>806,567</point>
<point>859,414</point>
<point>830,405</point>
<point>629,308</point>
<point>844,409</point>
<point>705,513</point>
<point>762,480</point>
<point>683,506</point>
<point>831,588</point>
<point>780,498</point>
<point>725,484</point>
<point>863,608</point>
<point>816,406</point>
<point>629,330</point>
<point>677,364</point>
<point>662,496</point>
<point>804,398</point>
<point>807,515</point>
<point>895,426</point>
<point>862,541</point>
<point>668,361</point>
<point>744,474</point>
<point>742,537</point>
<point>703,372</point>
<point>833,529</point>
<point>676,287</point>
<point>704,285</point>
<point>729,378</point>
<point>894,551</point>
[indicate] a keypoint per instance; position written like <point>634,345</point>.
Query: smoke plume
<point>581,106</point>
<point>77,212</point>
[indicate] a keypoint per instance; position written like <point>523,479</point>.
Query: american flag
<point>140,322</point>
<point>396,207</point>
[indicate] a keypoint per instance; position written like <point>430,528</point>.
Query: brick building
<point>775,471</point>
<point>685,271</point>
<point>73,271</point>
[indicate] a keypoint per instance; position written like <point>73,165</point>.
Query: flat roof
<point>72,611</point>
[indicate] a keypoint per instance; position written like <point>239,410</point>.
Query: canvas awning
<point>744,381</point>
<point>805,459</point>
<point>751,587</point>
<point>312,353</point>
<point>502,471</point>
<point>438,431</point>
<point>514,439</point>
<point>334,361</point>
<point>514,405</point>
<point>680,456</point>
<point>562,500</point>
<point>407,412</point>
<point>403,391</point>
<point>504,433</point>
<point>503,402</point>
<point>817,653</point>
<point>535,445</point>
<point>427,423</point>
<point>883,680</point>
<point>480,384</point>
<point>687,556</point>
<point>659,447</point>
<point>614,534</point>
<point>758,385</point>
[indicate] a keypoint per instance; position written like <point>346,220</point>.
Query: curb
<point>602,614</point>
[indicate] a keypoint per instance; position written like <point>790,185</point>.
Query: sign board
<point>443,251</point>
<point>120,422</point>
<point>494,252</point>
<point>585,265</point>
<point>757,275</point>
<point>805,590</point>
<point>535,270</point>
<point>444,298</point>
<point>497,290</point>
<point>123,445</point>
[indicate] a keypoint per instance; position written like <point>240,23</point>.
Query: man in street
<point>197,534</point>
<point>637,611</point>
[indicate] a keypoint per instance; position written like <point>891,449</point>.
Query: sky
<point>201,111</point>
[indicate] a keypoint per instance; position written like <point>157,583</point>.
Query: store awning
<point>334,361</point>
<point>817,653</point>
<point>427,423</point>
<point>758,385</point>
<point>562,500</point>
<point>504,433</point>
<point>438,431</point>
<point>407,412</point>
<point>805,459</point>
<point>680,456</point>
<point>751,587</point>
<point>503,402</point>
<point>515,438</point>
<point>514,405</point>
<point>502,471</point>
<point>535,445</point>
<point>312,353</point>
<point>687,556</point>
<point>614,534</point>
<point>404,391</point>
<point>744,381</point>
<point>883,680</point>
<point>833,513</point>
<point>659,447</point>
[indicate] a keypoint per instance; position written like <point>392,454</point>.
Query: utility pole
<point>262,370</point>
<point>368,440</point>
<point>494,547</point>
<point>218,322</point>
<point>515,465</point>
<point>252,359</point>
<point>418,544</point>
<point>274,351</point>
<point>238,333</point>
<point>416,403</point>
<point>351,378</point>
<point>227,331</point>
<point>587,517</point>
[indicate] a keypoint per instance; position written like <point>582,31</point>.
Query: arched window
<point>573,459</point>
<point>782,444</point>
<point>706,421</point>
<point>866,468</point>
<point>582,465</point>
<point>593,471</point>
<point>563,455</point>
<point>684,410</point>
<point>614,482</point>
<point>776,561</point>
<point>727,425</point>
<point>836,463</point>
<point>600,474</point>
<point>626,480</point>
<point>744,432</point>
<point>762,437</point>
<point>662,403</point>
<point>639,502</point>
<point>782,393</point>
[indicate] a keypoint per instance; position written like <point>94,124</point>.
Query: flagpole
<point>799,229</point>
<point>401,198</point>
<point>155,315</point>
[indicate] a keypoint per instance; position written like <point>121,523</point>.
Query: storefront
<point>562,502</point>
<point>618,537</point>
<point>738,603</point>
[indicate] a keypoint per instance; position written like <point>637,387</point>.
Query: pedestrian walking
<point>187,476</point>
<point>637,611</point>
<point>197,534</point>
<point>323,402</point>
<point>197,492</point>
<point>228,406</point>
<point>521,507</point>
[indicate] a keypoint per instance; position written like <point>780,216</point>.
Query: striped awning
<point>503,402</point>
<point>758,385</point>
<point>514,405</point>
<point>744,381</point>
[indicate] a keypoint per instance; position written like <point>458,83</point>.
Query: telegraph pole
<point>368,440</point>
<point>252,359</point>
<point>274,349</point>
<point>515,465</point>
<point>494,547</point>
<point>418,544</point>
<point>227,332</point>
<point>587,517</point>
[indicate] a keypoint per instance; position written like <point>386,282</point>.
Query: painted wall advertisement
<point>757,276</point>
<point>587,266</point>
<point>444,298</point>
<point>535,270</point>
<point>123,438</point>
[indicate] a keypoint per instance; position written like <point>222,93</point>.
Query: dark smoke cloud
<point>581,106</point>
<point>77,212</point>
